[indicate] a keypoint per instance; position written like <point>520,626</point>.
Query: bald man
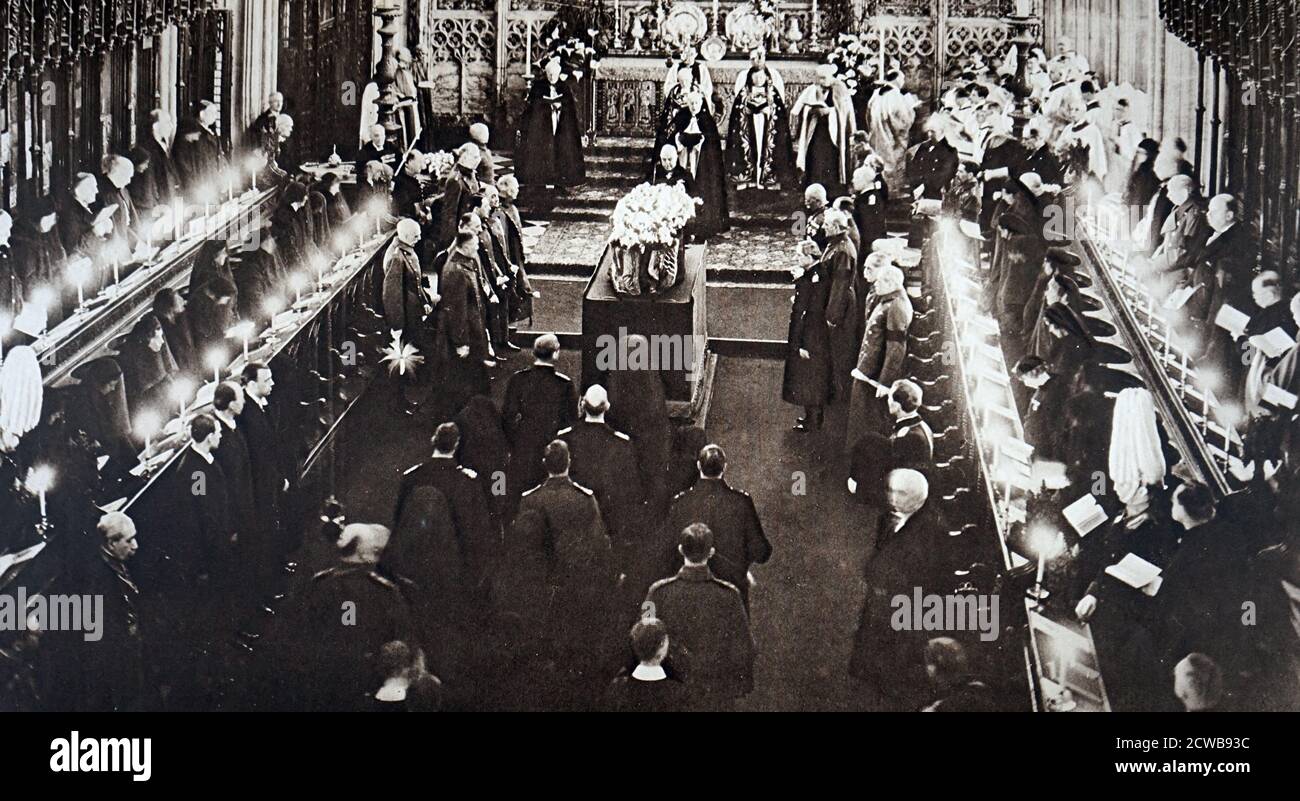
<point>1184,232</point>
<point>667,170</point>
<point>602,458</point>
<point>405,304</point>
<point>814,208</point>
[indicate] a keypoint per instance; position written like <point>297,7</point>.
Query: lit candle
<point>216,359</point>
<point>528,49</point>
<point>1042,565</point>
<point>180,393</point>
<point>245,328</point>
<point>148,423</point>
<point>1182,381</point>
<point>39,481</point>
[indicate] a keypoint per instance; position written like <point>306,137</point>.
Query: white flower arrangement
<point>651,214</point>
<point>441,164</point>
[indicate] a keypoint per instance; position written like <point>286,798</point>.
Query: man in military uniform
<point>475,532</point>
<point>706,616</point>
<point>738,538</point>
<point>580,573</point>
<point>539,402</point>
<point>603,460</point>
<point>332,661</point>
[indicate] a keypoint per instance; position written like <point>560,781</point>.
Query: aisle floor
<point>806,603</point>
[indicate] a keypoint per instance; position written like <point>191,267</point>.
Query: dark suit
<point>910,444</point>
<point>269,470</point>
<point>706,616</point>
<point>199,156</point>
<point>162,170</point>
<point>909,557</point>
<point>738,538</point>
<point>477,535</point>
<point>539,401</point>
<point>233,458</point>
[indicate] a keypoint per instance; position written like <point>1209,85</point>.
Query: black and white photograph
<point>628,356</point>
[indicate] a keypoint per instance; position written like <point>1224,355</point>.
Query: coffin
<point>673,319</point>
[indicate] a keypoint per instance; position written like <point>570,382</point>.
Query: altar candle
<point>116,277</point>
<point>528,48</point>
<point>1227,440</point>
<point>1042,566</point>
<point>81,296</point>
<point>1182,379</point>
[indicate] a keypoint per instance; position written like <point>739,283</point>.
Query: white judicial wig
<point>841,121</point>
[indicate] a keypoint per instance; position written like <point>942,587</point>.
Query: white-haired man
<point>904,555</point>
<point>264,127</point>
<point>408,302</point>
<point>376,149</point>
<point>880,358</point>
<point>112,670</point>
<point>332,658</point>
<point>550,139</point>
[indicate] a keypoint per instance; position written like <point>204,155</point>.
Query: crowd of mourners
<point>578,551</point>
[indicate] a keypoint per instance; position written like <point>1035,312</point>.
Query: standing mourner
<point>549,133</point>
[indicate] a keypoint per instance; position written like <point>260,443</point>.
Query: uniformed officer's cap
<point>546,346</point>
<point>446,438</point>
<point>696,542</point>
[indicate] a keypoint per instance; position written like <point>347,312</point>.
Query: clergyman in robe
<point>824,119</point>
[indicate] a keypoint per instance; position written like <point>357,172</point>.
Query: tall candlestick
<point>528,49</point>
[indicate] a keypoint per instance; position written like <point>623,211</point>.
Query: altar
<point>630,89</point>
